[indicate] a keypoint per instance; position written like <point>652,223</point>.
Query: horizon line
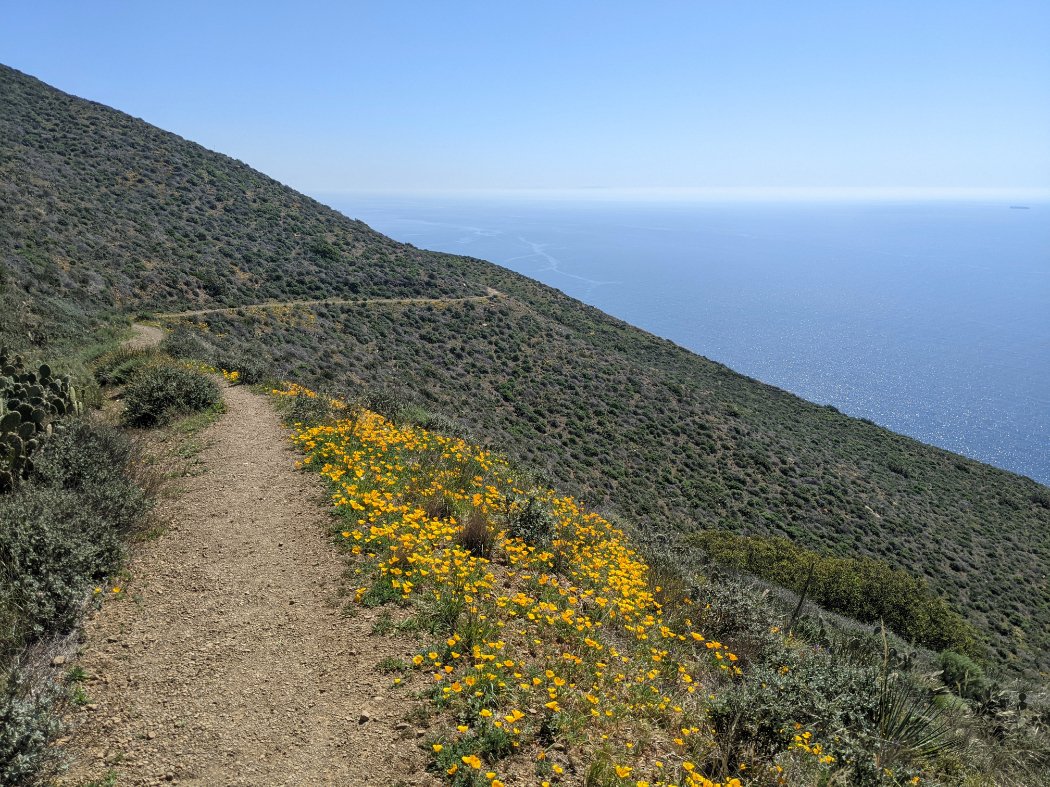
<point>732,193</point>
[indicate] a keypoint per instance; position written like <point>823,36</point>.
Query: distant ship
<point>1019,207</point>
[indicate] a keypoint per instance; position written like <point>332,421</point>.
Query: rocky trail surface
<point>227,659</point>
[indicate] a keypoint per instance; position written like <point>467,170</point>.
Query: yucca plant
<point>910,728</point>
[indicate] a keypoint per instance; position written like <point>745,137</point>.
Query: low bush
<point>391,403</point>
<point>50,547</point>
<point>62,533</point>
<point>251,370</point>
<point>119,366</point>
<point>28,722</point>
<point>530,520</point>
<point>161,392</point>
<point>862,588</point>
<point>64,529</point>
<point>962,675</point>
<point>101,465</point>
<point>310,411</point>
<point>185,343</point>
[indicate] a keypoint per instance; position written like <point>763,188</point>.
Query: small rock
<point>58,661</point>
<point>364,717</point>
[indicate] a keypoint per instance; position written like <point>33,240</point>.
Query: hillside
<point>103,216</point>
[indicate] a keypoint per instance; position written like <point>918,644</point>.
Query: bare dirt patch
<point>144,336</point>
<point>228,658</point>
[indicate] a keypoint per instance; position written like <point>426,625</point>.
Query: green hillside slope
<point>103,215</point>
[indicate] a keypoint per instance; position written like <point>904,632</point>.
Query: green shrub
<point>28,723</point>
<point>100,465</point>
<point>756,717</point>
<point>309,410</point>
<point>160,392</point>
<point>252,369</point>
<point>51,547</point>
<point>62,532</point>
<point>862,588</point>
<point>531,521</point>
<point>962,675</point>
<point>120,365</point>
<point>390,403</point>
<point>186,343</point>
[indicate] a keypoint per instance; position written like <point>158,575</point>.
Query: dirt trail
<point>229,660</point>
<point>144,336</point>
<point>491,294</point>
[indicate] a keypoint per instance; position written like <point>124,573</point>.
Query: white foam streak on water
<point>554,265</point>
<point>930,318</point>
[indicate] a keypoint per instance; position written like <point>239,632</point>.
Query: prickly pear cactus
<point>33,403</point>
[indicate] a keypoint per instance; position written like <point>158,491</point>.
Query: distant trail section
<point>228,660</point>
<point>144,336</point>
<point>491,294</point>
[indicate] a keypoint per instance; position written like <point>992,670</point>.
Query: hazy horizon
<point>716,194</point>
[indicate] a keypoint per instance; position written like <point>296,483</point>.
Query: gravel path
<point>144,336</point>
<point>229,660</point>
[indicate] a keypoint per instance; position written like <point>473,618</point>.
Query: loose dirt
<point>228,658</point>
<point>144,336</point>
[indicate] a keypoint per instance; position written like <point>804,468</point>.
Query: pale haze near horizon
<point>667,99</point>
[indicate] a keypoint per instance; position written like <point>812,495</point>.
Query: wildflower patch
<point>542,654</point>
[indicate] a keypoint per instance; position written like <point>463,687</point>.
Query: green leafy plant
<point>28,722</point>
<point>161,392</point>
<point>119,366</point>
<point>962,675</point>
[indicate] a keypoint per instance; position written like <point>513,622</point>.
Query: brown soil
<point>228,658</point>
<point>144,336</point>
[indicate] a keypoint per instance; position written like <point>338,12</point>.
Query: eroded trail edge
<point>229,660</point>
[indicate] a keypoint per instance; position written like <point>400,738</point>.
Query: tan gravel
<point>228,658</point>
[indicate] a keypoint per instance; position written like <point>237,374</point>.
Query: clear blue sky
<point>333,96</point>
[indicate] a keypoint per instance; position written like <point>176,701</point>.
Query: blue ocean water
<point>930,318</point>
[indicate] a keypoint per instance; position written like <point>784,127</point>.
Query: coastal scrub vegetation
<point>678,444</point>
<point>75,498</point>
<point>862,588</point>
<point>553,653</point>
<point>159,392</point>
<point>105,217</point>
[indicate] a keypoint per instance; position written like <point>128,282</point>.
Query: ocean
<point>930,318</point>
